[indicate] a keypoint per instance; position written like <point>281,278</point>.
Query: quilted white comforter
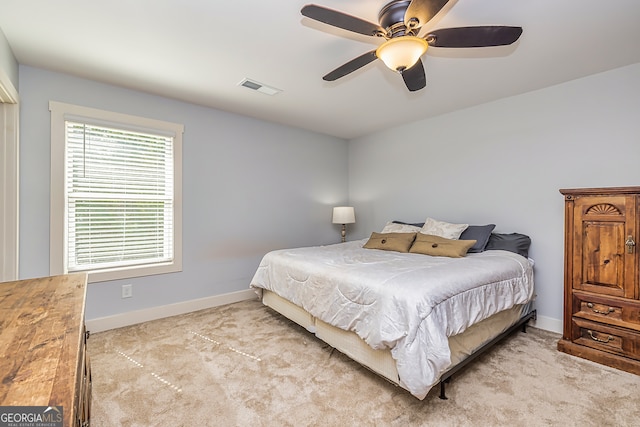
<point>409,303</point>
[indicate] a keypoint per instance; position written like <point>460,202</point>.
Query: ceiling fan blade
<point>351,66</point>
<point>341,20</point>
<point>422,11</point>
<point>414,77</point>
<point>473,36</point>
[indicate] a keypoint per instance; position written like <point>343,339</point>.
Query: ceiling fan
<point>400,24</point>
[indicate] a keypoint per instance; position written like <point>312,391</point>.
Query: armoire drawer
<point>606,338</point>
<point>605,309</point>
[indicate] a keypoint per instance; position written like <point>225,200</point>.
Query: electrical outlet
<point>127,291</point>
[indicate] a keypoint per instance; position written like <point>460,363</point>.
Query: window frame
<point>60,112</point>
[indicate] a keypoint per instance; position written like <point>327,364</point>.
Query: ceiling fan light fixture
<point>402,53</point>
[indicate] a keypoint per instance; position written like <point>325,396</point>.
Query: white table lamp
<point>344,215</point>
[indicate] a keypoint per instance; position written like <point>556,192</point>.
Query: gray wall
<point>249,187</point>
<point>503,163</point>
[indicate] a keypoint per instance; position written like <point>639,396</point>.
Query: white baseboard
<point>139,316</point>
<point>548,324</point>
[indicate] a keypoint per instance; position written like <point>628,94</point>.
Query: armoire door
<point>604,252</point>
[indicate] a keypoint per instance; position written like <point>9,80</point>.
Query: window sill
<point>133,271</point>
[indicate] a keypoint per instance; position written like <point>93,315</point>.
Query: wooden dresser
<point>42,340</point>
<point>602,295</point>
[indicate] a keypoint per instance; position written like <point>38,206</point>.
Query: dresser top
<point>41,335</point>
<point>601,190</point>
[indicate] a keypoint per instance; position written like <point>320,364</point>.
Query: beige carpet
<point>245,365</point>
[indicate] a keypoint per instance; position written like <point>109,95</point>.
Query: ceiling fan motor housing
<point>391,18</point>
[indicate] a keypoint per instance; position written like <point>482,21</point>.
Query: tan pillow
<point>439,246</point>
<point>399,242</point>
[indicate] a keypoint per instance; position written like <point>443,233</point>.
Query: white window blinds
<point>120,201</point>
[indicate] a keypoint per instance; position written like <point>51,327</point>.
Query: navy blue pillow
<point>514,242</point>
<point>479,233</point>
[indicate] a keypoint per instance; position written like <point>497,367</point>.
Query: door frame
<point>9,180</point>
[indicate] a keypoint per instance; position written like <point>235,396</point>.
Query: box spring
<point>381,361</point>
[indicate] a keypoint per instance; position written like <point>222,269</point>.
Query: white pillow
<point>443,229</point>
<point>393,227</point>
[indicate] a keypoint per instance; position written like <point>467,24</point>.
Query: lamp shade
<point>402,53</point>
<point>344,215</point>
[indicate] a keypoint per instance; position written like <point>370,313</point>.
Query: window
<point>115,195</point>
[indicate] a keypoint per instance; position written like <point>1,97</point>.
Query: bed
<point>413,317</point>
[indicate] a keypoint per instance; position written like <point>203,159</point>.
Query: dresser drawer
<point>606,338</point>
<point>605,309</point>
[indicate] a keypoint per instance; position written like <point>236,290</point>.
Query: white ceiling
<point>198,51</point>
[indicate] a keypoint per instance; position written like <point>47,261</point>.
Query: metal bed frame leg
<point>534,316</point>
<point>443,396</point>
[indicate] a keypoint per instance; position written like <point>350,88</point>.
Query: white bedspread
<point>409,303</point>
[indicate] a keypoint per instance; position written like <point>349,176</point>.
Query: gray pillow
<point>514,242</point>
<point>479,233</point>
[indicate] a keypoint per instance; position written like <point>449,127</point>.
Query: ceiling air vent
<point>254,85</point>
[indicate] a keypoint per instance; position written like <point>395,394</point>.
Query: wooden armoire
<point>601,283</point>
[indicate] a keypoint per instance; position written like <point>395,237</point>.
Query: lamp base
<point>344,232</point>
